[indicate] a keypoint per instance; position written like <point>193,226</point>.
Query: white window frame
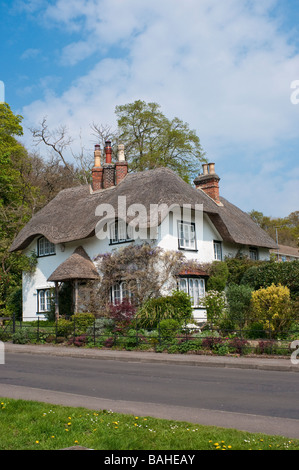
<point>187,236</point>
<point>193,286</point>
<point>217,250</point>
<point>120,292</point>
<point>45,247</point>
<point>43,300</point>
<point>120,232</point>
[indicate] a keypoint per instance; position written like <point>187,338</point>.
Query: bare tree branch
<point>57,140</point>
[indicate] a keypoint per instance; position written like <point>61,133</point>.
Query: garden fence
<point>99,333</point>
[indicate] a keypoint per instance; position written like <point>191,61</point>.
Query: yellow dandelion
<point>36,442</point>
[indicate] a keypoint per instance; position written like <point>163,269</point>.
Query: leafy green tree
<point>285,229</point>
<point>152,140</point>
<point>16,198</point>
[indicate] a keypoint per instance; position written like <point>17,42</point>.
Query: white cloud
<point>223,67</point>
<point>30,53</point>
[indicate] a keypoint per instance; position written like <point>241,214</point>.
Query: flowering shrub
<point>272,307</point>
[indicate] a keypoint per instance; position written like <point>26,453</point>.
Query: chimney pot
<point>205,168</point>
<point>97,156</point>
<point>121,166</point>
<point>121,153</point>
<point>212,168</point>
<point>108,151</point>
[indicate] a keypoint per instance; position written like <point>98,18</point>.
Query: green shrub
<point>215,304</point>
<point>176,306</point>
<point>100,326</point>
<point>239,303</point>
<point>82,321</point>
<point>237,267</point>
<point>21,336</point>
<point>286,274</point>
<point>64,327</point>
<point>255,330</point>
<point>169,328</point>
<point>272,307</point>
<point>218,276</point>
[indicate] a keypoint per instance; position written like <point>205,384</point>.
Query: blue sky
<point>224,67</point>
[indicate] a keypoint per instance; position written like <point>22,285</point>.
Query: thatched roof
<point>77,266</point>
<point>71,214</point>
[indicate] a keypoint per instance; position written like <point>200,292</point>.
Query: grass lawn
<point>29,425</point>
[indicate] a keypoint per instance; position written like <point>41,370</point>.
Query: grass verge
<point>29,425</point>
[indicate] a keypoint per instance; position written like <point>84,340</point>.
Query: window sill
<point>121,243</point>
<point>45,256</point>
<point>188,249</point>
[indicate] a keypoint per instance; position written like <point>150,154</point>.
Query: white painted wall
<point>166,238</point>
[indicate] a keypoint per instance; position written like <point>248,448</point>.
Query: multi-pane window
<point>195,287</point>
<point>43,300</point>
<point>253,254</point>
<point>120,292</point>
<point>45,247</point>
<point>217,251</point>
<point>187,238</point>
<point>120,232</point>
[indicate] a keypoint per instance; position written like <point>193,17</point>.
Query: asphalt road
<point>253,400</point>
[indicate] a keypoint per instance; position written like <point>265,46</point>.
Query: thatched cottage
<point>120,208</point>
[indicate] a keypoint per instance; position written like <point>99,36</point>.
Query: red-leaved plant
<point>122,313</point>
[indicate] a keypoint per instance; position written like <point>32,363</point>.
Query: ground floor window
<point>195,287</point>
<point>43,300</point>
<point>253,254</point>
<point>120,292</point>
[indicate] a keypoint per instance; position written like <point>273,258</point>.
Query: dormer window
<point>45,247</point>
<point>187,237</point>
<point>120,232</point>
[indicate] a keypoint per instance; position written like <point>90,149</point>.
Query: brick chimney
<point>97,171</point>
<point>208,181</point>
<point>109,174</point>
<point>121,166</point>
<point>108,167</point>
